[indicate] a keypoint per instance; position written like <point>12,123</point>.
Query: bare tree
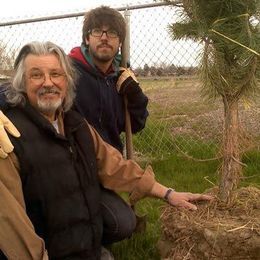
<point>6,59</point>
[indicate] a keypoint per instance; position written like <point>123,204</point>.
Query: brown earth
<point>213,231</point>
<point>201,117</point>
<point>179,104</point>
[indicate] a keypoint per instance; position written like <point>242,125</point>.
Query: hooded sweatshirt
<point>100,103</point>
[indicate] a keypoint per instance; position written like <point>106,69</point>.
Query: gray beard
<point>47,107</point>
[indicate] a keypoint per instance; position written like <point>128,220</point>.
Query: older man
<point>101,87</point>
<point>51,183</point>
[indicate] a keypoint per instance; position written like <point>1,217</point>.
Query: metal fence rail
<point>180,120</point>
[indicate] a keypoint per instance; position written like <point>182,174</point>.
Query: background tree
<point>230,31</point>
<point>6,59</point>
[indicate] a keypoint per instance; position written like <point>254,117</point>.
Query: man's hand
<point>126,82</point>
<point>184,199</point>
<point>5,143</point>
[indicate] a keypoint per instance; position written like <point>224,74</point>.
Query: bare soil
<point>201,117</point>
<point>214,231</point>
<point>180,105</point>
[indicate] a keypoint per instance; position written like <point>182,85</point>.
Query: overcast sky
<point>27,8</point>
<point>150,42</point>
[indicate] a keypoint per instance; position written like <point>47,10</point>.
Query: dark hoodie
<point>99,102</point>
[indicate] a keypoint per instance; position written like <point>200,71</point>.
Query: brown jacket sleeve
<point>18,239</point>
<point>119,174</point>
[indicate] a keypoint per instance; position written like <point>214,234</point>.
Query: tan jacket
<point>18,239</point>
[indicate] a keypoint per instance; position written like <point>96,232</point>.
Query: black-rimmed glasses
<point>97,32</point>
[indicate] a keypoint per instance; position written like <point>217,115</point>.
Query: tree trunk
<point>231,168</point>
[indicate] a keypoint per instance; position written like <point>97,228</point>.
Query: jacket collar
<point>82,55</point>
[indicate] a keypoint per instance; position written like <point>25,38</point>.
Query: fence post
<point>126,45</point>
<point>125,51</point>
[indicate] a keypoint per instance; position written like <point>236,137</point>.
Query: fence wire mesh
<point>180,120</point>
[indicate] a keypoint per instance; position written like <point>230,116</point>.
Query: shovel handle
<point>128,133</point>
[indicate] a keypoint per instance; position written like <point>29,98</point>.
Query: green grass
<point>154,140</point>
<point>176,172</point>
<point>251,171</point>
<point>183,175</point>
<point>173,168</point>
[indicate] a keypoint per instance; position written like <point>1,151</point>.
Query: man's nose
<point>104,35</point>
<point>47,80</point>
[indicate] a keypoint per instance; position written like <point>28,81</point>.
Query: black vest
<point>60,183</point>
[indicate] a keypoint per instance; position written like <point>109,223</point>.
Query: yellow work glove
<point>5,143</point>
<point>127,82</point>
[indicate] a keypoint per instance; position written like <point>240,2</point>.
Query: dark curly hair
<point>101,16</point>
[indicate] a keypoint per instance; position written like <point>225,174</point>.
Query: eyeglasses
<point>38,77</point>
<point>96,32</point>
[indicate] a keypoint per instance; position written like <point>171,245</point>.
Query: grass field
<point>180,141</point>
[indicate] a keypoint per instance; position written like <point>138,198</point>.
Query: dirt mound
<point>213,231</point>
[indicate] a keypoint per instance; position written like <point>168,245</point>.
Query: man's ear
<point>86,41</point>
<point>120,44</point>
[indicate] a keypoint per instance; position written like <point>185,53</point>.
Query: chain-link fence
<point>180,120</point>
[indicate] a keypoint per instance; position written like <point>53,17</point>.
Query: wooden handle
<point>128,129</point>
<point>128,133</point>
